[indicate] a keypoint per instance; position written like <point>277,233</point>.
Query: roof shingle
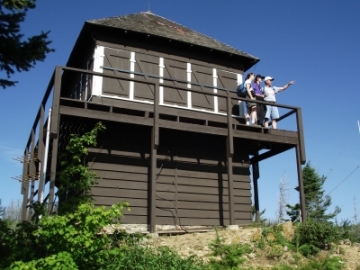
<point>151,24</point>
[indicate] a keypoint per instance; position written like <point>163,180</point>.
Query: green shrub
<point>225,256</point>
<point>134,257</point>
<point>317,233</point>
<point>61,261</point>
<point>329,263</point>
<point>350,231</point>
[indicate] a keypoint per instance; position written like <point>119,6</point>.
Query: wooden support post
<point>256,175</point>
<point>25,186</point>
<point>300,130</point>
<point>153,160</point>
<point>229,156</point>
<point>55,111</point>
<point>41,152</point>
<point>53,165</point>
<point>301,184</point>
<point>32,171</point>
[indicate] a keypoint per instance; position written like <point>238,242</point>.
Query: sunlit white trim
<point>132,68</point>
<point>167,105</point>
<point>215,77</point>
<point>98,62</point>
<point>45,161</point>
<point>241,105</point>
<point>188,77</point>
<point>128,99</point>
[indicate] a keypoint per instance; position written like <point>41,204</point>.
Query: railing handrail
<point>165,84</point>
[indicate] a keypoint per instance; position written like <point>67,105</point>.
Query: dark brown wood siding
<point>191,176</point>
<point>117,59</point>
<point>175,70</point>
<point>202,75</point>
<point>226,80</point>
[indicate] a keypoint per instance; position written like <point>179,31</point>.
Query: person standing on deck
<point>259,95</point>
<point>269,92</point>
<point>251,106</point>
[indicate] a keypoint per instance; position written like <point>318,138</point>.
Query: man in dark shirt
<point>261,108</point>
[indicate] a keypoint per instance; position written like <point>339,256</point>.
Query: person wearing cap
<point>269,92</point>
<point>259,95</point>
<point>251,106</point>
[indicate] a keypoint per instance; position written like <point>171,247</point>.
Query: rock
<point>322,254</point>
<point>235,240</point>
<point>347,242</point>
<point>256,235</point>
<point>251,255</point>
<point>233,227</point>
<point>285,248</point>
<point>270,237</point>
<point>288,230</point>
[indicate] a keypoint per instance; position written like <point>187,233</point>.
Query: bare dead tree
<point>283,198</point>
<point>355,212</point>
<point>13,211</point>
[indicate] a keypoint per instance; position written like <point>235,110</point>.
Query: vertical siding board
<point>227,80</point>
<point>146,64</point>
<point>175,70</point>
<point>202,75</point>
<point>117,59</point>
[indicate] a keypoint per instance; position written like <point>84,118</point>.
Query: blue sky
<point>315,43</point>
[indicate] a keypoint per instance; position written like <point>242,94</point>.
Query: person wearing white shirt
<point>269,92</point>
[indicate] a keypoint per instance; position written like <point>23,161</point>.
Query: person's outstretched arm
<point>286,86</point>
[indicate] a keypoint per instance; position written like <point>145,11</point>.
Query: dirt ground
<point>197,243</point>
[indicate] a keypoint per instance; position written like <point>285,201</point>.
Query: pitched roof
<point>151,24</point>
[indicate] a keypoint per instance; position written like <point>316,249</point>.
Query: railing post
<point>55,115</point>
<point>229,155</point>
<point>300,130</point>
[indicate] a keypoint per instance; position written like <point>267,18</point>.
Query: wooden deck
<point>182,166</point>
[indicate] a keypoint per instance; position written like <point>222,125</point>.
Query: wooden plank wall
<point>176,68</point>
<point>191,184</point>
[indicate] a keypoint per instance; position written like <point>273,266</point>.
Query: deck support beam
<point>153,159</point>
<point>229,161</point>
<point>41,154</point>
<point>256,176</point>
<point>25,187</point>
<point>54,156</point>
<point>32,172</point>
<point>301,183</point>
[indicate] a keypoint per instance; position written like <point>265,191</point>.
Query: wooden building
<point>176,146</point>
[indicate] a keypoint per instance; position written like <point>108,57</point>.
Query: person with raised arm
<point>269,92</point>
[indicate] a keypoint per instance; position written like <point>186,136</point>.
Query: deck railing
<point>54,89</point>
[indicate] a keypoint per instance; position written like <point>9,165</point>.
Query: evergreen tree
<point>316,203</point>
<point>17,54</point>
